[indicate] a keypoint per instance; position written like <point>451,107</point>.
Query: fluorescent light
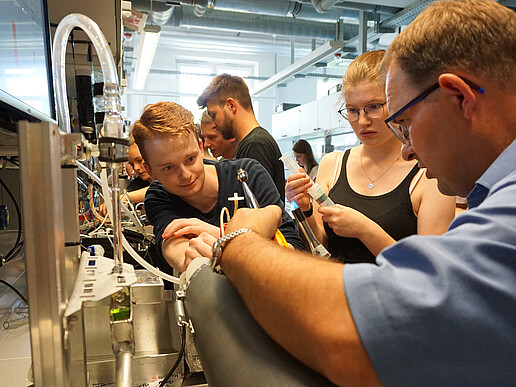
<point>307,61</point>
<point>148,44</point>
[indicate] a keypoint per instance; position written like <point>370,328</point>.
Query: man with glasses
<point>435,310</point>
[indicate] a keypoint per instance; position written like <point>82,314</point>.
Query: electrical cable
<point>179,356</point>
<point>10,254</point>
<point>223,212</point>
<point>97,180</point>
<point>15,290</point>
<point>10,160</point>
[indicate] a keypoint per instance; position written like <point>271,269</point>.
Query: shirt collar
<point>500,168</point>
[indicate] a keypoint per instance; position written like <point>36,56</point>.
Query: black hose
<point>10,254</point>
<point>179,356</point>
<point>15,290</point>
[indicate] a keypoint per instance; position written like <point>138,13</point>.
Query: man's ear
<point>201,145</point>
<point>149,171</point>
<point>231,104</point>
<point>454,85</point>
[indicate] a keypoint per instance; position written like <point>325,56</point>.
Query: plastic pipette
<point>314,191</point>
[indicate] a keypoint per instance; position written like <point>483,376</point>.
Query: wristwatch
<point>220,244</point>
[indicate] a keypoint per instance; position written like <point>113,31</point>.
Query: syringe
<point>314,191</point>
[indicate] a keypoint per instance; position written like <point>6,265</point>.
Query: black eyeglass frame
<point>419,98</point>
<point>343,108</point>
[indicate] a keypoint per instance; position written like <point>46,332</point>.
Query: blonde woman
<point>380,197</point>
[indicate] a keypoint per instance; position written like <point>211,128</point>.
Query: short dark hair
<point>225,86</point>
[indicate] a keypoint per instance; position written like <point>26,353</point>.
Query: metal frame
<point>42,202</point>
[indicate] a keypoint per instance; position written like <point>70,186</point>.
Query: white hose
<point>59,55</point>
<point>107,194</point>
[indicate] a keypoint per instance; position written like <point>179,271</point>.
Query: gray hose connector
<point>234,350</point>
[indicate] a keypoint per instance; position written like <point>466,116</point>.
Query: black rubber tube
<point>234,350</point>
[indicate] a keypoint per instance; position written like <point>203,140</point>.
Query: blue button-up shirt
<point>441,310</point>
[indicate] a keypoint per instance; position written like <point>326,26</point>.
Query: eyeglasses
<point>373,110</point>
<point>402,129</point>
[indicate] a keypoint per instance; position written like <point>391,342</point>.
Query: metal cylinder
<point>124,369</point>
<point>234,350</point>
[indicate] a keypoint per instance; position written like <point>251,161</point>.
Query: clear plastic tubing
<point>113,124</point>
<point>314,191</point>
<point>59,55</point>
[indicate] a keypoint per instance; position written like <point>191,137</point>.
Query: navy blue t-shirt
<point>163,207</point>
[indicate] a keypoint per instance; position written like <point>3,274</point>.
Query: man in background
<point>229,105</point>
<point>213,140</point>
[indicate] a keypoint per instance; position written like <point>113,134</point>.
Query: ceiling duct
<point>402,18</point>
<point>295,9</point>
<point>373,8</point>
<point>322,6</point>
<point>244,22</point>
<point>299,9</point>
<point>219,14</point>
<point>282,8</point>
<point>158,11</point>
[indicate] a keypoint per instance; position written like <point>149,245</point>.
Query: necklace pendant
<point>370,185</point>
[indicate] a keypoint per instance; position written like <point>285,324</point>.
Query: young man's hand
<point>189,227</point>
<point>200,246</point>
<point>264,221</point>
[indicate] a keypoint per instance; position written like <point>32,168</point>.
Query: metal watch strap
<point>220,244</point>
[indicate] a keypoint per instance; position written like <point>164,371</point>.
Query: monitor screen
<point>25,69</point>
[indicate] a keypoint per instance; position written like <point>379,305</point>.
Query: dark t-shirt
<point>261,146</point>
<point>392,211</point>
<point>163,207</point>
<point>137,183</point>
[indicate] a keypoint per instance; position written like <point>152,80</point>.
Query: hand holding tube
<point>296,190</point>
<point>314,190</point>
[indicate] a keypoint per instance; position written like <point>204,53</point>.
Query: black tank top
<point>392,211</point>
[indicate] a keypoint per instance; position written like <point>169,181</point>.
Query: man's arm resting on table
<point>300,302</point>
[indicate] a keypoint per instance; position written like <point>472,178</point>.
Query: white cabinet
<point>309,119</point>
<point>329,118</point>
<point>286,124</point>
<point>277,129</point>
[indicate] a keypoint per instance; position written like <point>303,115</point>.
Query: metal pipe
<point>123,368</point>
<point>118,250</point>
<point>322,6</point>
